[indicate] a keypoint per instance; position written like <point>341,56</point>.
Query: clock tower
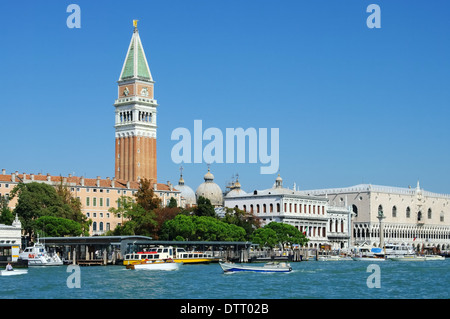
<point>135,121</point>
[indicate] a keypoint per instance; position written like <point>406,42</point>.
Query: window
<point>107,202</point>
<point>94,201</point>
<point>271,208</point>
<point>429,213</point>
<point>87,201</point>
<point>278,207</point>
<point>394,211</point>
<point>408,212</point>
<point>94,226</point>
<point>355,209</point>
<point>101,202</point>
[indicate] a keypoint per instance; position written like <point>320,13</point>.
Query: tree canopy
<point>278,233</point>
<point>36,200</point>
<point>203,228</point>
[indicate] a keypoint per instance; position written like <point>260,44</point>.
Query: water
<point>312,279</point>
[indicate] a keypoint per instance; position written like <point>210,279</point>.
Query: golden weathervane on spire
<point>135,23</point>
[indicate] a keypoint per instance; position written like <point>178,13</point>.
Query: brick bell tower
<point>135,122</point>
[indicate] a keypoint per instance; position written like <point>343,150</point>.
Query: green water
<point>312,279</point>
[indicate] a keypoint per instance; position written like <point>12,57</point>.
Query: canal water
<point>310,279</point>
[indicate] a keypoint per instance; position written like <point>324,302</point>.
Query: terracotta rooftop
<point>77,181</point>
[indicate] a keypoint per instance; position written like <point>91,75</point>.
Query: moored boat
<point>267,267</point>
<point>37,255</point>
<point>194,257</point>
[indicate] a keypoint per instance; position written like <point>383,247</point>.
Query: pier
<point>109,250</point>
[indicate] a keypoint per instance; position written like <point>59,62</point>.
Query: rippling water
<point>312,279</point>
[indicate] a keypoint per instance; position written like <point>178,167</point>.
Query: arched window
<point>264,208</point>
<point>271,208</point>
<point>394,211</point>
<point>245,208</point>
<point>257,208</point>
<point>101,226</point>
<point>94,226</point>
<point>278,207</point>
<point>419,216</point>
<point>429,213</point>
<point>408,212</point>
<point>380,210</point>
<point>355,209</point>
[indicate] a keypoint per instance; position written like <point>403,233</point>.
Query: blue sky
<point>353,105</point>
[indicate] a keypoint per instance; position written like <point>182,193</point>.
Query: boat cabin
<point>154,253</point>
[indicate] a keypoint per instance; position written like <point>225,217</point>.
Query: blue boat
<point>267,267</point>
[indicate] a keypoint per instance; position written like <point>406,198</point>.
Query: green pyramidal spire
<point>135,65</point>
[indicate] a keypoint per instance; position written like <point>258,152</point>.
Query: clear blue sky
<point>353,105</point>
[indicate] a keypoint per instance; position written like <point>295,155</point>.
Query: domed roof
<point>210,190</point>
<point>186,192</point>
<point>236,190</point>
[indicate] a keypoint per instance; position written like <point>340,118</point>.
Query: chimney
<point>48,177</point>
<point>82,180</point>
<point>13,177</point>
<point>113,182</point>
<point>98,181</point>
<point>155,187</point>
<point>128,185</point>
<point>70,175</point>
<point>3,171</point>
<point>24,176</point>
<point>32,177</point>
<point>64,180</point>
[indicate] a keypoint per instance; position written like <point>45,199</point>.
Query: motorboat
<point>267,267</point>
<point>397,250</point>
<point>366,253</point>
<point>408,258</point>
<point>37,255</point>
<point>434,257</point>
<point>13,272</point>
<point>157,264</point>
<point>153,253</point>
<point>329,258</point>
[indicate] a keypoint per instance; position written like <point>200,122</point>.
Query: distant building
<point>10,241</point>
<point>312,215</point>
<point>96,195</point>
<point>411,215</point>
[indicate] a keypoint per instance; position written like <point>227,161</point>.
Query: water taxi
<point>194,257</point>
<point>155,253</point>
<point>366,253</point>
<point>157,264</point>
<point>268,267</point>
<point>408,258</point>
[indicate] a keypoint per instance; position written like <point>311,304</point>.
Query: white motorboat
<point>408,258</point>
<point>155,265</point>
<point>267,267</point>
<point>329,258</point>
<point>368,258</point>
<point>13,272</point>
<point>367,253</point>
<point>37,255</point>
<point>434,257</point>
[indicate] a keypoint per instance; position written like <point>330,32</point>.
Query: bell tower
<point>135,121</point>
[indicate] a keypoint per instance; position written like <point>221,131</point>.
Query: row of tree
<point>53,211</point>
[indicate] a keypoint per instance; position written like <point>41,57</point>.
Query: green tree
<point>204,207</point>
<point>203,228</point>
<point>57,227</point>
<point>6,215</point>
<point>265,237</point>
<point>172,203</point>
<point>38,199</point>
<point>139,221</point>
<point>287,234</point>
<point>242,219</point>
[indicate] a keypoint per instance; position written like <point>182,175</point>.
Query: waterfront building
<point>312,215</point>
<point>97,195</point>
<point>412,216</point>
<point>10,241</point>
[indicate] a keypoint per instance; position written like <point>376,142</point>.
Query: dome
<point>236,190</point>
<point>210,190</point>
<point>186,192</point>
